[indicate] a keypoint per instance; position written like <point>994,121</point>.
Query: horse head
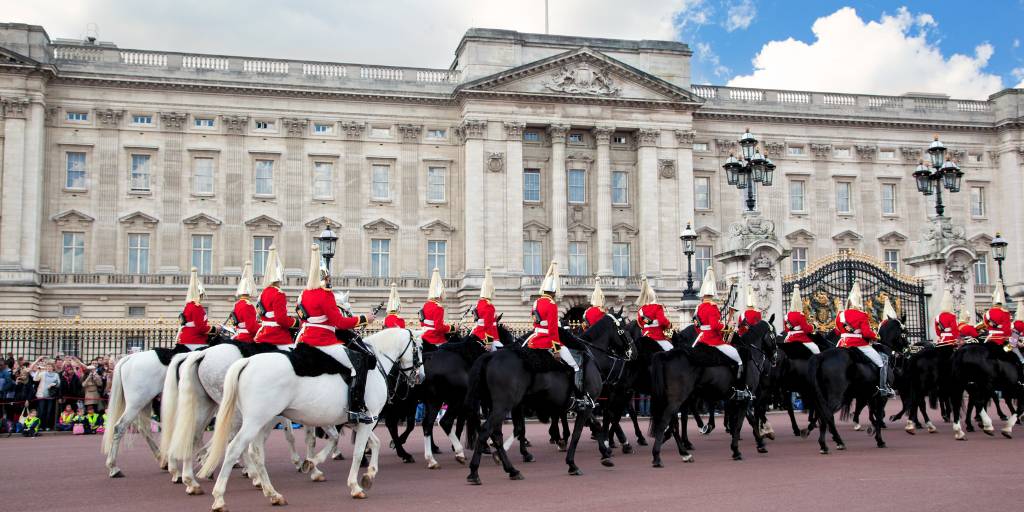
<point>761,337</point>
<point>685,337</point>
<point>893,333</point>
<point>404,352</point>
<point>505,336</point>
<point>610,333</point>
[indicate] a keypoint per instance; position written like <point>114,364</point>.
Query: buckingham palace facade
<point>123,168</point>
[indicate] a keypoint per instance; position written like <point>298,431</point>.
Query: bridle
<point>408,373</point>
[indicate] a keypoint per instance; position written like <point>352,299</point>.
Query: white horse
<point>269,387</point>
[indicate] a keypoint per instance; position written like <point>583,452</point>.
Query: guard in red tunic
<point>275,324</point>
<point>708,321</point>
<point>999,323</point>
<point>797,328</point>
<point>595,312</point>
<point>432,314</point>
<point>947,328</point>
<point>392,320</point>
<point>967,330</point>
<point>486,329</point>
<point>545,331</point>
<point>854,330</point>
<point>243,314</point>
<point>322,318</point>
<point>654,325</point>
<point>195,331</point>
<point>1018,323</point>
<point>751,315</point>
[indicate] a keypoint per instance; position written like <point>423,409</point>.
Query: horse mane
<point>388,340</point>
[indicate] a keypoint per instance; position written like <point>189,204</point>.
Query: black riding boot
<point>581,399</point>
<point>740,391</point>
<point>883,378</point>
<point>356,403</point>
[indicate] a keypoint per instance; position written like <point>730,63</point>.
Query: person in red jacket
<point>432,314</point>
<point>545,332</point>
<point>484,313</point>
<point>243,314</point>
<point>797,328</point>
<point>392,320</point>
<point>947,328</point>
<point>195,331</point>
<point>273,307</point>
<point>999,323</point>
<point>751,315</point>
<point>650,316</point>
<point>854,330</point>
<point>967,330</point>
<point>595,312</point>
<point>708,321</point>
<point>322,318</point>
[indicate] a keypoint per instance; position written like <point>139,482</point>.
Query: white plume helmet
<point>246,285</point>
<point>317,272</point>
<point>751,298</point>
<point>946,304</point>
<point>436,290</point>
<point>709,286</point>
<point>597,297</point>
<point>889,312</point>
<point>965,315</point>
<point>999,294</point>
<point>273,270</point>
<point>195,287</point>
<point>552,283</point>
<point>487,286</point>
<point>647,295</point>
<point>796,302</point>
<point>856,298</point>
<point>341,299</point>
<point>1019,315</point>
<point>394,302</point>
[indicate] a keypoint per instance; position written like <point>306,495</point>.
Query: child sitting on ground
<point>92,420</point>
<point>30,423</point>
<point>67,419</point>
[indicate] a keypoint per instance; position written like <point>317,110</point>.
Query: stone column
<point>647,201</point>
<point>233,163</point>
<point>514,197</point>
<point>684,172</point>
<point>409,198</point>
<point>603,200</point>
<point>472,132</point>
<point>35,143</point>
<point>15,112</point>
<point>169,229</point>
<point>294,189</point>
<point>355,190</point>
<point>105,237</point>
<point>559,201</point>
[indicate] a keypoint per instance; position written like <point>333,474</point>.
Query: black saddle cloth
<point>468,350</point>
<point>999,353</point>
<point>539,360</point>
<point>706,356</point>
<point>646,348</point>
<point>250,349</point>
<point>310,361</point>
<point>795,351</point>
<point>166,354</point>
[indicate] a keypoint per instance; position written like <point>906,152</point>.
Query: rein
<point>391,377</point>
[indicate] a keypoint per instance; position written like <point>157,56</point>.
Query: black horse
<point>927,375</point>
<point>789,375</point>
<point>982,369</point>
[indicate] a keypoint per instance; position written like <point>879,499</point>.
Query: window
<point>700,147</point>
<point>437,134</point>
<point>204,122</point>
<point>140,173</point>
<point>323,128</point>
<point>380,132</point>
<point>620,187</point>
<point>578,259</point>
<point>843,199</point>
<point>977,201</point>
<point>381,190</point>
<point>532,258</point>
<point>73,254</point>
<point>702,193</point>
<point>795,150</point>
<point>577,186</point>
<point>436,177</point>
<point>888,198</point>
<point>702,260</point>
<point>887,154</point>
<point>981,269</point>
<point>892,259</point>
<point>575,138</point>
<point>137,311</point>
<point>75,177</point>
<point>264,177</point>
<point>974,157</point>
<point>264,125</point>
<point>799,258</point>
<point>71,310</point>
<point>78,116</point>
<point>620,259</point>
<point>142,119</point>
<point>138,253</point>
<point>202,254</point>
<point>437,256</point>
<point>841,153</point>
<point>531,185</point>
<point>620,139</point>
<point>531,136</point>
<point>380,255</point>
<point>323,180</point>
<point>202,176</point>
<point>796,196</point>
<point>260,250</point>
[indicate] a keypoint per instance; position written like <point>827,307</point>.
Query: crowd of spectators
<point>60,393</point>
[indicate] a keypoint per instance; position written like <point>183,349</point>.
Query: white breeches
<point>495,345</point>
<point>730,352</point>
<point>194,347</point>
<point>665,344</point>
<point>872,354</point>
<point>813,347</point>
<point>339,353</point>
<point>563,352</point>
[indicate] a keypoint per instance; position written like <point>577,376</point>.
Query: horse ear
<point>903,319</point>
<point>771,319</point>
<point>496,320</point>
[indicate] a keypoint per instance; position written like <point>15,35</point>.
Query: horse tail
<point>115,407</point>
<point>818,384</point>
<point>658,398</point>
<point>182,434</point>
<point>477,386</point>
<point>225,416</point>
<point>169,405</point>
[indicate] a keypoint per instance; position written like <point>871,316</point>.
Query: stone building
<point>122,168</point>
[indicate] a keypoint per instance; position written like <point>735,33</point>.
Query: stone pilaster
<point>410,249</point>
<point>170,173</point>
<point>291,192</point>
<point>647,202</point>
<point>514,197</point>
<point>684,171</point>
<point>234,164</point>
<point>15,112</point>
<point>106,187</point>
<point>559,201</point>
<point>32,213</point>
<point>472,132</point>
<point>603,200</point>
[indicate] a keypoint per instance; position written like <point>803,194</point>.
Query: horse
<point>927,374</point>
<point>265,386</point>
<point>790,376</point>
<point>838,377</point>
<point>981,369</point>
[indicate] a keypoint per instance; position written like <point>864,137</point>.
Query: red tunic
<point>750,318</point>
<point>194,329</point>
<point>1018,327</point>
<point>653,322</point>
<point>998,322</point>
<point>708,320</point>
<point>545,324</point>
<point>432,319</point>
<point>967,330</point>
<point>275,321</point>
<point>324,318</point>
<point>246,321</point>
<point>853,329</point>
<point>592,315</point>
<point>797,328</point>
<point>947,332</point>
<point>486,328</point>
<point>393,320</point>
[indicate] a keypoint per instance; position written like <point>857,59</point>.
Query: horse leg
<point>391,420</point>
<point>999,410</point>
<point>260,444</point>
<point>986,421</point>
<point>245,436</point>
<point>519,432</point>
<point>362,432</point>
<point>289,436</point>
<point>320,457</point>
<point>735,422</point>
<point>858,408</point>
<point>1007,430</point>
<point>147,433</point>
<point>373,442</point>
<point>203,416</point>
<point>448,426</point>
<point>754,419</point>
<point>876,409</point>
<point>640,440</point>
<point>429,417</point>
<point>683,433</point>
<point>492,422</point>
<point>923,408</point>
<point>788,404</point>
<point>131,412</point>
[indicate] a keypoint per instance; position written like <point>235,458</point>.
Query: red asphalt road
<point>923,472</point>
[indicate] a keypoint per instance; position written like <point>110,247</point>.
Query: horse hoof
<point>361,495</point>
<point>433,464</point>
<point>841,447</point>
<point>737,456</point>
<point>931,428</point>
<point>461,459</point>
<point>278,501</point>
<point>770,436</point>
<point>307,466</point>
<point>219,509</point>
<point>317,476</point>
<point>497,460</point>
<point>657,464</point>
<point>239,466</point>
<point>338,456</point>
<point>804,433</point>
<point>990,432</point>
<point>762,449</point>
<point>607,462</point>
<point>688,458</point>
<point>870,431</point>
<point>575,471</point>
<point>473,480</point>
<point>627,448</point>
<point>366,482</point>
<point>392,445</point>
<point>408,459</point>
<point>176,479</point>
<point>194,491</point>
<point>823,451</point>
<point>881,445</point>
<point>528,458</point>
<point>515,476</point>
<point>856,427</point>
<point>526,443</point>
<point>910,430</point>
<point>1006,434</point>
<point>116,473</point>
<point>641,441</point>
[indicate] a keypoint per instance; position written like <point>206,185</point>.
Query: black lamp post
<point>998,245</point>
<point>689,238</point>
<point>750,169</point>
<point>327,240</point>
<point>946,174</point>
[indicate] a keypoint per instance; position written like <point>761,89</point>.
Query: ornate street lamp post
<point>327,240</point>
<point>750,169</point>
<point>998,245</point>
<point>689,238</point>
<point>942,174</point>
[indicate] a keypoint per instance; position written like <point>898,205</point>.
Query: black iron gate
<point>826,283</point>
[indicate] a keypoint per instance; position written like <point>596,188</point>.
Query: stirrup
<point>886,392</point>
<point>583,403</point>
<point>361,417</point>
<point>742,394</point>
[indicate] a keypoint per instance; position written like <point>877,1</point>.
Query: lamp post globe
<point>328,242</point>
<point>689,238</point>
<point>998,245</point>
<point>751,168</point>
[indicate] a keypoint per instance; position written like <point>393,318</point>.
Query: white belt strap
<point>241,325</point>
<point>321,326</point>
<point>544,323</point>
<point>242,330</point>
<point>480,322</point>
<point>705,327</point>
<point>190,324</point>
<point>428,322</point>
<point>652,324</point>
<point>851,335</point>
<point>269,314</point>
<point>317,319</point>
<point>268,323</point>
<point>540,330</point>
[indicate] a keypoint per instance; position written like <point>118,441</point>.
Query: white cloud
<point>740,15</point>
<point>880,57</point>
<point>707,55</point>
<point>1016,43</point>
<point>1018,73</point>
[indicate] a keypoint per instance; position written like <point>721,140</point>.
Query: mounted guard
<point>243,314</point>
<point>195,331</point>
<point>393,320</point>
<point>708,321</point>
<point>947,329</point>
<point>968,331</point>
<point>275,324</point>
<point>854,330</point>
<point>797,328</point>
<point>596,310</point>
<point>484,314</point>
<point>546,329</point>
<point>751,315</point>
<point>432,314</point>
<point>650,316</point>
